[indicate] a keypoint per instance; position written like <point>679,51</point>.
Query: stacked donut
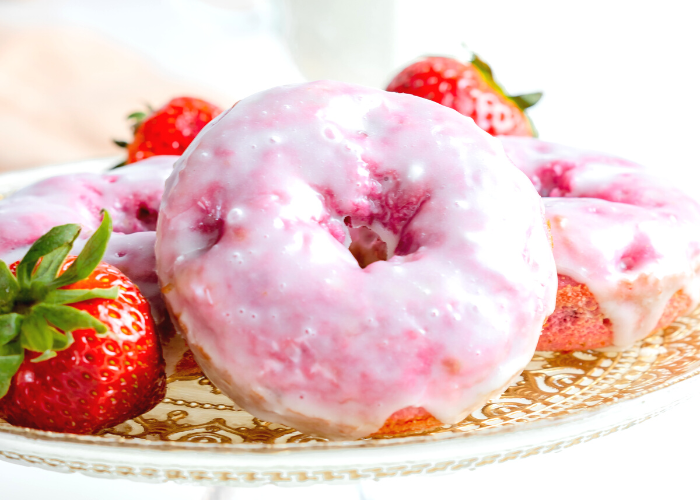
<point>626,245</point>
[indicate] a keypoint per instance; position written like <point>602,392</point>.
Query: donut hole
<point>211,230</point>
<point>147,216</point>
<point>366,246</point>
<point>554,179</point>
<point>208,221</point>
<point>135,216</point>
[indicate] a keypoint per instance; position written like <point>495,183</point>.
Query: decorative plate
<point>198,435</point>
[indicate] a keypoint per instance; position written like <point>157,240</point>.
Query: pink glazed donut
<point>626,245</point>
<point>252,252</point>
<point>131,194</point>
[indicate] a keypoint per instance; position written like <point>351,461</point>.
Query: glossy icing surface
<point>132,196</point>
<point>252,253</point>
<point>632,238</point>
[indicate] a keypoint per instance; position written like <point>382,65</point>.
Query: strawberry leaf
<point>10,326</point>
<point>482,66</point>
<point>44,356</point>
<point>68,318</point>
<point>50,263</point>
<point>36,334</point>
<point>55,238</point>
<point>62,341</point>
<point>522,101</point>
<point>11,357</point>
<point>9,287</point>
<point>486,73</point>
<point>58,297</point>
<point>89,257</point>
<point>139,116</point>
<point>526,100</point>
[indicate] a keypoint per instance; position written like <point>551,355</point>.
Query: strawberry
<point>78,348</point>
<point>169,130</point>
<point>470,89</point>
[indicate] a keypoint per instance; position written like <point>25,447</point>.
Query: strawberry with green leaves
<point>168,130</point>
<point>78,348</point>
<point>471,89</point>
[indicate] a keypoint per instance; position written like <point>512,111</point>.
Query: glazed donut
<point>132,196</point>
<point>252,253</point>
<point>626,245</point>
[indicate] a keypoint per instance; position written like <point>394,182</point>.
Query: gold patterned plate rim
<point>692,371</point>
<point>314,446</point>
<point>556,388</point>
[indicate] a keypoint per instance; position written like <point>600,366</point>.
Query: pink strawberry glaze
<point>131,194</point>
<point>630,237</point>
<point>252,255</point>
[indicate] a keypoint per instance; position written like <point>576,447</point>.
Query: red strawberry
<point>470,89</point>
<point>78,347</point>
<point>169,130</point>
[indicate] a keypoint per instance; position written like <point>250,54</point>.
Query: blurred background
<point>618,76</point>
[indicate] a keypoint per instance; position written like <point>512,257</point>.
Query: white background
<point>618,76</point>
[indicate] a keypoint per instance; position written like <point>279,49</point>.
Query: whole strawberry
<point>470,89</point>
<point>169,130</point>
<point>78,348</point>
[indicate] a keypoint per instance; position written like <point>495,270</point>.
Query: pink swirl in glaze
<point>252,255</point>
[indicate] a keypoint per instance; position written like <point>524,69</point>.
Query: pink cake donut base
<point>577,323</point>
